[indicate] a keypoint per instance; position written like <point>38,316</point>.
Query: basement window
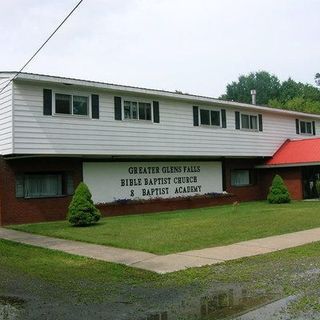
<point>43,185</point>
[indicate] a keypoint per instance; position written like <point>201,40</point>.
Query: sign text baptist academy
<point>157,186</point>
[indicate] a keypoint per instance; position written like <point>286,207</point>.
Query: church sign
<point>110,181</point>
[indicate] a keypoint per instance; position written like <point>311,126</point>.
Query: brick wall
<point>292,178</point>
<point>245,193</point>
<point>20,210</point>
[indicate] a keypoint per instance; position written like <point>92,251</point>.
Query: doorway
<point>309,177</point>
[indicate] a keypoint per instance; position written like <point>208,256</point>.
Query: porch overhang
<point>295,153</point>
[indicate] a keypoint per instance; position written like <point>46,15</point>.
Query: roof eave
<point>153,92</point>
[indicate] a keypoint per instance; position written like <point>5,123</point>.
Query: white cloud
<point>194,46</point>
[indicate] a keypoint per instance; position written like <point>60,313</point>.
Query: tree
<point>82,211</point>
<point>266,85</point>
<point>289,94</point>
<point>278,192</point>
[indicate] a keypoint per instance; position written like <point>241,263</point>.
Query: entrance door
<point>309,177</point>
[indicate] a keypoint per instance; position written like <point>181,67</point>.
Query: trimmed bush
<point>82,211</point>
<point>278,192</point>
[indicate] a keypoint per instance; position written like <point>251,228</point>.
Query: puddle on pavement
<point>10,308</point>
<point>229,303</point>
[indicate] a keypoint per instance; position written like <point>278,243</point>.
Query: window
<point>241,177</point>
<point>137,110</point>
<point>41,185</point>
<point>71,104</point>
<point>209,117</point>
<point>249,122</point>
<point>63,103</point>
<point>305,127</point>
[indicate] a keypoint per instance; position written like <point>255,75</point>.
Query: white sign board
<point>110,181</point>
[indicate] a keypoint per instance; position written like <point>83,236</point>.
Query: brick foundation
<point>136,207</point>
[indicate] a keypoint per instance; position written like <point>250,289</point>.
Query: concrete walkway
<point>170,262</point>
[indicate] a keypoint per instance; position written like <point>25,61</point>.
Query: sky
<point>194,46</point>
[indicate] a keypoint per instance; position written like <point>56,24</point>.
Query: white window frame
<point>305,133</point>
<point>249,115</point>
<point>88,96</point>
<point>209,125</point>
<point>123,99</point>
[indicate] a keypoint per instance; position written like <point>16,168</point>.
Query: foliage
<point>297,104</point>
<point>264,83</point>
<point>82,211</point>
<point>278,191</point>
<point>289,94</point>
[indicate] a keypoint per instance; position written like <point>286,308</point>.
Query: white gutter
<point>288,165</point>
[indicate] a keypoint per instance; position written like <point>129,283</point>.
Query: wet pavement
<point>223,301</point>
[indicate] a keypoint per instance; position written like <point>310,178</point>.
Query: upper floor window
<point>249,122</point>
<point>137,110</point>
<point>71,104</point>
<point>210,117</point>
<point>306,127</point>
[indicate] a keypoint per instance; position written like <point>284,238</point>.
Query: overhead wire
<point>47,40</point>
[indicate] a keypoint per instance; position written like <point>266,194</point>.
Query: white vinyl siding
<point>6,145</point>
<point>175,135</point>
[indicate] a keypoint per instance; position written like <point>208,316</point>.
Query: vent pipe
<point>253,96</point>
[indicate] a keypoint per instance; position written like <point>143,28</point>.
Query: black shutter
<point>95,106</point>
<point>223,118</point>
<point>313,128</point>
<point>156,115</point>
<point>117,108</point>
<point>297,127</point>
<point>195,116</point>
<point>47,102</point>
<point>237,115</point>
<point>260,122</point>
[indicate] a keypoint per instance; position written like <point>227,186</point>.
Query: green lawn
<point>169,232</point>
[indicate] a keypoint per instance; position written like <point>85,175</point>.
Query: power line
<point>51,35</point>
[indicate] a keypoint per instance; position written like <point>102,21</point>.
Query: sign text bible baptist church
<point>142,150</point>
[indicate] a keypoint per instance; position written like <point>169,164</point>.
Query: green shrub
<point>82,211</point>
<point>278,192</point>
